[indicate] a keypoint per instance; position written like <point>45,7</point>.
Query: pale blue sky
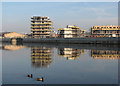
<point>16,15</point>
<point>60,0</point>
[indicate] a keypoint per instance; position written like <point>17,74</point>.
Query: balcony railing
<point>41,23</point>
<point>41,30</point>
<point>41,26</point>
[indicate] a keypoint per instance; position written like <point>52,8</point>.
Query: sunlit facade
<point>41,56</point>
<point>41,26</point>
<point>106,31</point>
<point>69,32</point>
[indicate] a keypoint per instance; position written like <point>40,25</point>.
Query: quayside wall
<point>66,40</point>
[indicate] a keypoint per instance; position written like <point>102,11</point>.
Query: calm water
<point>59,64</point>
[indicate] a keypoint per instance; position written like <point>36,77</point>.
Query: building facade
<point>69,32</point>
<point>41,26</point>
<point>105,31</point>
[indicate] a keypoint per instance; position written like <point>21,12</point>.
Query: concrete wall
<point>70,40</point>
<point>76,40</point>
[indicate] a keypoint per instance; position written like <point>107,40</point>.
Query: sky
<point>60,0</point>
<point>16,15</point>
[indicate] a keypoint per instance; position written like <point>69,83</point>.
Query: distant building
<point>87,34</point>
<point>105,54</point>
<point>13,35</point>
<point>28,35</point>
<point>105,31</point>
<point>82,33</point>
<point>69,32</point>
<point>41,26</point>
<point>54,34</point>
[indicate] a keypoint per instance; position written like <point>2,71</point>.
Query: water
<point>59,64</point>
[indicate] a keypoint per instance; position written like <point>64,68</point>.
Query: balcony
<point>41,30</point>
<point>41,26</point>
<point>41,20</point>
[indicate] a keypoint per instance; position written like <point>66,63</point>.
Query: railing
<point>41,27</point>
<point>41,30</point>
<point>40,23</point>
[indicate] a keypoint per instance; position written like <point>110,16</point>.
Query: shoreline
<point>106,40</point>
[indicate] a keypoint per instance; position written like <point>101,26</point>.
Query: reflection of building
<point>69,32</point>
<point>70,53</point>
<point>41,26</point>
<point>105,54</point>
<point>41,56</point>
<point>12,47</point>
<point>105,31</point>
<point>13,35</point>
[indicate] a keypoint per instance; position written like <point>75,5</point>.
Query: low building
<point>53,34</point>
<point>105,31</point>
<point>28,35</point>
<point>13,35</point>
<point>69,32</point>
<point>82,33</point>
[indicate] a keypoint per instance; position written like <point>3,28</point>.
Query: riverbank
<point>106,40</point>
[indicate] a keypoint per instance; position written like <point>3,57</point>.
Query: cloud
<point>95,12</point>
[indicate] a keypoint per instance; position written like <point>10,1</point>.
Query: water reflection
<point>12,47</point>
<point>70,53</point>
<point>41,56</point>
<point>43,60</point>
<point>105,54</point>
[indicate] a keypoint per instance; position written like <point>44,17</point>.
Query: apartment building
<point>69,32</point>
<point>41,26</point>
<point>106,31</point>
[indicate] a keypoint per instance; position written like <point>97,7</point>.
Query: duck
<point>30,75</point>
<point>40,79</point>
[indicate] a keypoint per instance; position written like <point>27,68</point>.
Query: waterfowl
<point>40,79</point>
<point>30,75</point>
